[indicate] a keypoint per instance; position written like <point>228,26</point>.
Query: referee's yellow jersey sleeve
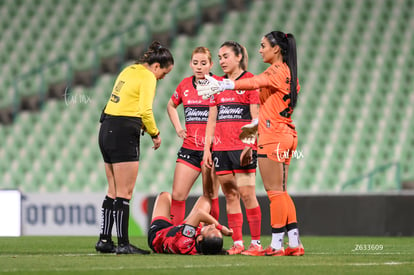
<point>133,95</point>
<point>145,105</point>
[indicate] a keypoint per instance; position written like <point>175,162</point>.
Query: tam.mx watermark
<point>285,154</point>
<point>73,99</point>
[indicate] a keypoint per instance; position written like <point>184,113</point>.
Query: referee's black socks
<point>107,219</point>
<point>121,215</point>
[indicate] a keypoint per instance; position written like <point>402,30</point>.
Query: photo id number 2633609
<point>368,247</point>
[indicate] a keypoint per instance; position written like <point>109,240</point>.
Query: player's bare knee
<point>165,196</point>
<point>232,195</point>
<point>179,195</point>
<point>246,179</point>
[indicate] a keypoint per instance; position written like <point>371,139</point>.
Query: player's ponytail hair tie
<point>155,46</point>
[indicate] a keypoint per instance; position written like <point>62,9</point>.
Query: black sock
<point>107,219</point>
<point>291,226</point>
<point>121,215</point>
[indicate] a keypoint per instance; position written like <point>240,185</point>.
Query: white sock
<point>238,243</point>
<point>255,242</point>
<point>277,240</point>
<point>293,237</point>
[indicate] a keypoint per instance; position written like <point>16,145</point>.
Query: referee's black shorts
<point>119,138</point>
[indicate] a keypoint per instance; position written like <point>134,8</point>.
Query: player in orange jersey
<point>277,137</point>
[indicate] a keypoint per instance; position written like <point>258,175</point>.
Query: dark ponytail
<point>287,44</point>
<point>157,53</point>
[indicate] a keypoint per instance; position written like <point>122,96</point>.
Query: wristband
<point>156,136</point>
<point>228,84</point>
<point>219,227</point>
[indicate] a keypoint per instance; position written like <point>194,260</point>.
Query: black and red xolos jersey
<point>180,239</point>
<point>195,112</point>
<point>233,111</point>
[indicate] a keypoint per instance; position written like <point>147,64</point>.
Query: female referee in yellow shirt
<point>129,109</point>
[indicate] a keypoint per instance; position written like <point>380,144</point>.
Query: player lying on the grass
<point>200,233</point>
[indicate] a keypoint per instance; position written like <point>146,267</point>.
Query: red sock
<point>177,212</point>
<point>235,222</point>
<point>215,208</point>
<point>254,217</point>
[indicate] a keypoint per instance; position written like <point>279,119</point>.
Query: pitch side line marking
<point>201,266</point>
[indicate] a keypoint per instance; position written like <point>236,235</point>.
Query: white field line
<point>100,254</point>
<point>171,267</point>
<point>189,266</point>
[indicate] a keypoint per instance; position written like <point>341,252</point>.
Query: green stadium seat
<point>338,124</point>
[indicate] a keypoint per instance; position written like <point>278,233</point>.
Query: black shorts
<point>156,226</point>
<point>191,158</point>
<point>119,138</point>
<point>226,162</point>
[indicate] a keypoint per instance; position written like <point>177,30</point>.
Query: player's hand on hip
<point>182,133</point>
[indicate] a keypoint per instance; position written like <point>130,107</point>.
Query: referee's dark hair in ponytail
<point>287,44</point>
<point>157,53</point>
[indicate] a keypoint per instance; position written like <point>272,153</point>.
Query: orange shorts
<point>280,151</point>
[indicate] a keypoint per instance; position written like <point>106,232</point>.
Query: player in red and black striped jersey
<point>200,233</point>
<point>190,155</point>
<point>229,111</point>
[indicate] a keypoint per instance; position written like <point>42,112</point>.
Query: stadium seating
<point>353,117</point>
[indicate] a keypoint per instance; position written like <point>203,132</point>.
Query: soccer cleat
<point>105,246</point>
<point>130,249</point>
<point>254,250</point>
<point>235,249</point>
<point>270,251</point>
<point>295,251</point>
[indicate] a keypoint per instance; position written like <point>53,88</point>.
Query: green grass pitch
<point>323,255</point>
